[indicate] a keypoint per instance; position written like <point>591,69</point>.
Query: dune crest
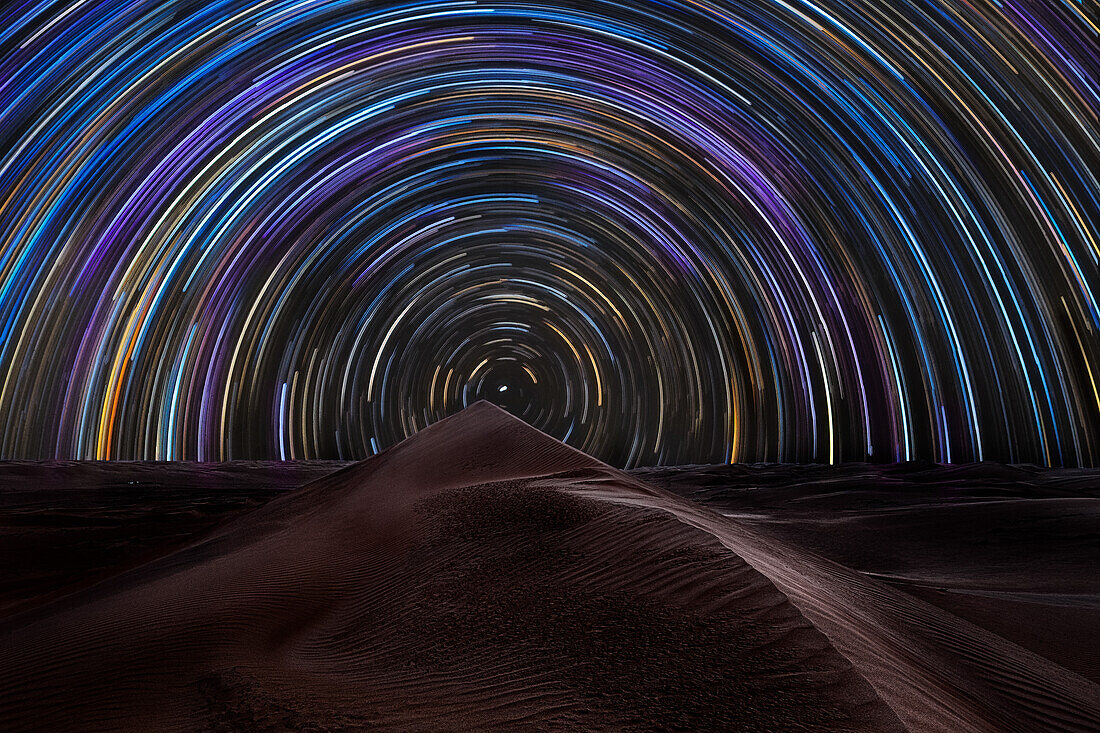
<point>483,575</point>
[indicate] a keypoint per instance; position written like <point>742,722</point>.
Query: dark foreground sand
<point>482,575</point>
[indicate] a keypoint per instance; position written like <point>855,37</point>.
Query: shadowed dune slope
<point>482,575</point>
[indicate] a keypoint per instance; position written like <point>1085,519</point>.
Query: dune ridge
<point>482,575</point>
<point>935,670</point>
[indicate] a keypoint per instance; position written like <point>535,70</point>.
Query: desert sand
<point>482,575</point>
<point>1014,549</point>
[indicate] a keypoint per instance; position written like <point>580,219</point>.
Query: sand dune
<point>482,575</point>
<point>68,524</point>
<point>936,671</point>
<point>1010,548</point>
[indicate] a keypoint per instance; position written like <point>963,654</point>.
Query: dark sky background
<point>665,232</point>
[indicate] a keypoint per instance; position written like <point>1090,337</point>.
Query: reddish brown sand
<point>482,575</point>
<point>1013,549</point>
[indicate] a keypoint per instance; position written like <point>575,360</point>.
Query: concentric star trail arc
<point>665,232</point>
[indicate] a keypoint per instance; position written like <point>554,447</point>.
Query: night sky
<point>665,232</point>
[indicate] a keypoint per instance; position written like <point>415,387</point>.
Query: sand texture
<point>482,575</point>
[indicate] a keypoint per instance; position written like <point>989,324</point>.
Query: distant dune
<point>482,575</point>
<point>69,524</point>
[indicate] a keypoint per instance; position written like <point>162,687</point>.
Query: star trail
<point>664,232</point>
